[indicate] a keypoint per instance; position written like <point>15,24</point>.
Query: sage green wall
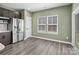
<point>74,6</point>
<point>64,23</point>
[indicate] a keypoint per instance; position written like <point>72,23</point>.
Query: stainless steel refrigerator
<point>18,30</point>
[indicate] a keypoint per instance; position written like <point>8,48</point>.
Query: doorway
<point>28,27</point>
<point>75,28</point>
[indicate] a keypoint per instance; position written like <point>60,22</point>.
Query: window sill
<point>54,33</point>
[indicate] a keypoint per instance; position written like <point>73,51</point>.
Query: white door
<point>28,27</point>
<point>21,29</point>
<point>14,30</point>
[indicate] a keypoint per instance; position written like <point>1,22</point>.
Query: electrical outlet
<point>78,44</point>
<point>67,38</point>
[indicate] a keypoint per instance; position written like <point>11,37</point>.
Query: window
<point>3,25</point>
<point>52,23</point>
<point>48,24</point>
<point>42,23</point>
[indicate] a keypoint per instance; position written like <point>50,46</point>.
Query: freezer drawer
<point>15,37</point>
<point>20,36</point>
<point>5,38</point>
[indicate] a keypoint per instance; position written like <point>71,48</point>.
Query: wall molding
<point>52,40</point>
<point>76,49</point>
<point>27,37</point>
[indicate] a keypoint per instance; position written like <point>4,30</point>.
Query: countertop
<point>4,31</point>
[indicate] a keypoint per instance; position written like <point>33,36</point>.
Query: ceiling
<point>32,7</point>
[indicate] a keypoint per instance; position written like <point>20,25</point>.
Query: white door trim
<point>28,27</point>
<point>76,11</point>
<point>52,40</point>
<point>73,29</point>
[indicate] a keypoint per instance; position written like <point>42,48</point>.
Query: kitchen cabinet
<point>1,11</point>
<point>8,13</point>
<point>11,14</point>
<point>5,13</point>
<point>5,38</point>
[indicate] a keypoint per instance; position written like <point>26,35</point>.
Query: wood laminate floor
<point>35,46</point>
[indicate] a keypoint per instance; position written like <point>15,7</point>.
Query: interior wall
<point>64,23</point>
<point>74,6</point>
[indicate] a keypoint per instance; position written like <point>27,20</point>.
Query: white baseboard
<point>27,37</point>
<point>76,49</point>
<point>52,40</point>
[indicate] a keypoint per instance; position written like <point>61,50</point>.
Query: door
<point>21,29</point>
<point>28,27</point>
<point>14,30</point>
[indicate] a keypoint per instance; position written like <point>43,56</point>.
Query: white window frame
<point>40,24</point>
<point>48,32</point>
<point>52,24</point>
